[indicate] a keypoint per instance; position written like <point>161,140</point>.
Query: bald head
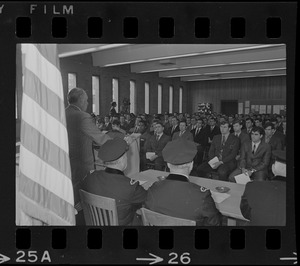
<point>78,97</point>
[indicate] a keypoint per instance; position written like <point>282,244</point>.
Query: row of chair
<point>102,211</point>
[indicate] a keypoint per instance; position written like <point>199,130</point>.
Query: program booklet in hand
<point>242,179</point>
<point>213,162</point>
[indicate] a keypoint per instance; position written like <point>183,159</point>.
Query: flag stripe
<point>45,71</point>
<point>45,198</point>
<point>48,126</point>
<point>50,153</point>
<point>49,52</point>
<point>44,174</point>
<point>48,100</point>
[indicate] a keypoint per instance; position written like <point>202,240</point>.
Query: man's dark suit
<point>275,143</point>
<point>112,183</point>
<point>176,196</point>
<point>82,132</point>
<point>230,150</point>
<point>170,132</point>
<point>259,161</point>
<point>187,135</point>
<point>264,202</point>
<point>281,136</point>
<point>244,137</point>
<point>201,139</point>
<point>152,145</point>
<point>213,132</point>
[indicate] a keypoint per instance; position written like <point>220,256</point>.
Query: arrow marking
<point>154,259</point>
<point>3,258</point>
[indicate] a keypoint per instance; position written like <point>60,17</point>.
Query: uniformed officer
<point>264,202</point>
<point>176,196</point>
<point>112,182</point>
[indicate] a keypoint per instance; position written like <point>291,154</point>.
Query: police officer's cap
<point>279,155</point>
<point>179,151</point>
<point>112,149</point>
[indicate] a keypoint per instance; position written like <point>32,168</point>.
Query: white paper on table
<point>242,179</point>
<point>219,197</point>
<point>149,154</point>
<point>213,161</point>
<point>104,131</point>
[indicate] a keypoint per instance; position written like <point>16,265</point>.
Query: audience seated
<point>255,157</point>
<point>155,144</point>
<point>123,123</point>
<point>201,138</point>
<point>173,128</point>
<point>175,195</point>
<point>274,141</point>
<point>264,203</point>
<point>213,129</point>
<point>107,125</point>
<point>117,131</point>
<point>249,126</point>
<point>243,136</point>
<point>183,133</point>
<point>225,147</point>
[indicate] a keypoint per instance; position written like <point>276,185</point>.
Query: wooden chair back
<point>98,210</point>
<point>158,219</point>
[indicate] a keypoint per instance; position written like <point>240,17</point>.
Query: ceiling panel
<point>189,62</point>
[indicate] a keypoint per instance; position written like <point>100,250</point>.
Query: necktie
<point>180,134</point>
<point>197,130</point>
<point>223,140</point>
<point>253,150</point>
<point>157,137</point>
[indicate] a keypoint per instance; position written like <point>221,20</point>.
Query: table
<point>230,207</point>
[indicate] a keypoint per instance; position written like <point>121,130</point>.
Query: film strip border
<point>165,27</point>
<point>164,22</point>
<point>182,245</point>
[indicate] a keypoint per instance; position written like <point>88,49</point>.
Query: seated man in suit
<point>264,203</point>
<point>273,141</point>
<point>112,182</point>
<point>116,131</point>
<point>213,129</point>
<point>255,157</point>
<point>183,133</point>
<point>249,125</point>
<point>200,137</point>
<point>225,147</point>
<point>107,125</point>
<point>155,144</point>
<point>175,195</point>
<point>243,136</point>
<point>173,128</point>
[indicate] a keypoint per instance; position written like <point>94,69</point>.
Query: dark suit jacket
<point>107,128</point>
<point>280,127</point>
<point>264,202</point>
<point>169,132</point>
<point>177,197</point>
<point>187,135</point>
<point>230,148</point>
<point>275,143</point>
<point>259,160</point>
<point>112,183</point>
<point>116,134</point>
<point>243,138</point>
<point>201,138</point>
<point>281,136</point>
<point>82,132</point>
<point>152,145</point>
<point>214,132</point>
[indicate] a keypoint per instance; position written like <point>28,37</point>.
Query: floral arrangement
<point>205,108</point>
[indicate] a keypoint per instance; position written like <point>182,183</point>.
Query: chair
<point>158,219</point>
<point>98,210</point>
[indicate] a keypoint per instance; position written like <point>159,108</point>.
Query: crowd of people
<point>180,143</point>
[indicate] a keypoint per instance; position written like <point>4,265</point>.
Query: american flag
<point>45,193</point>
